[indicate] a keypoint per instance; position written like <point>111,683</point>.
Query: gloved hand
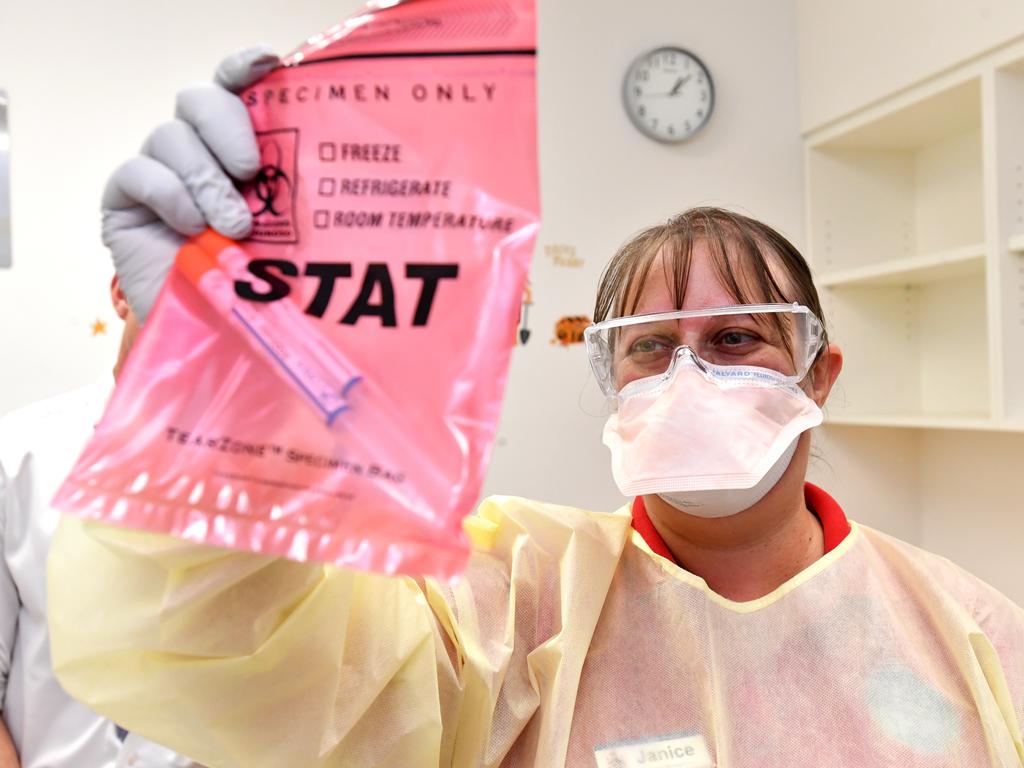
<point>181,182</point>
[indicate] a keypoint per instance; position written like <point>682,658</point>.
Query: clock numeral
<point>703,95</point>
<point>688,126</point>
<point>672,130</point>
<point>643,75</point>
<point>642,111</point>
<point>654,123</point>
<point>638,91</point>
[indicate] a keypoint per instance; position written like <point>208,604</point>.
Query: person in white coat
<point>38,446</point>
<point>48,728</point>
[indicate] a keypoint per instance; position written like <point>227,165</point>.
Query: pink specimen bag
<point>329,389</point>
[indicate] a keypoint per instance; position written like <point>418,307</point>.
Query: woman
<point>731,616</point>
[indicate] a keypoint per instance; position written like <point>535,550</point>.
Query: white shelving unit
<point>916,231</point>
<point>1004,171</point>
<point>915,224</point>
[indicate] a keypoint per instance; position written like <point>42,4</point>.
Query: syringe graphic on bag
<point>277,332</point>
<point>280,334</point>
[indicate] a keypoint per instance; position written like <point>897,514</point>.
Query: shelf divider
<point>925,421</point>
<point>1017,243</point>
<point>925,268</point>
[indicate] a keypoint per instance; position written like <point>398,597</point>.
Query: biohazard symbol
<point>569,330</point>
<point>272,186</point>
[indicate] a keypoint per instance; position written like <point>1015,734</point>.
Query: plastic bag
<point>330,388</point>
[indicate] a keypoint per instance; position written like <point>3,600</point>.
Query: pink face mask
<point>706,437</point>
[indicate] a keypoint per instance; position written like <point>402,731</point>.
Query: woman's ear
<point>118,300</point>
<point>824,373</point>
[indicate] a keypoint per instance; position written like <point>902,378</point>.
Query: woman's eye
<point>647,346</point>
<point>737,338</point>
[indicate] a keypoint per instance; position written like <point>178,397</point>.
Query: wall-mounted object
<point>5,185</point>
<point>524,314</point>
<point>915,209</point>
<point>563,256</point>
<point>668,94</point>
<point>569,329</point>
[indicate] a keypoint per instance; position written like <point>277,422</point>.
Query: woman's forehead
<point>704,290</point>
<point>704,287</point>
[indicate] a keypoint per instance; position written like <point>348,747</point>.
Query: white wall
<point>874,473</point>
<point>972,499</point>
<point>852,53</point>
<point>89,80</point>
<point>958,493</point>
<point>602,181</point>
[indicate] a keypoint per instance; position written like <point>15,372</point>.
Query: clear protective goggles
<point>784,338</point>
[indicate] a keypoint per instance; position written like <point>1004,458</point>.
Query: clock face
<point>668,94</point>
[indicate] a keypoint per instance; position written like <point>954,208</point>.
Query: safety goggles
<point>784,338</point>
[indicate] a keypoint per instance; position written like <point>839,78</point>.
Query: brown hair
<point>747,256</point>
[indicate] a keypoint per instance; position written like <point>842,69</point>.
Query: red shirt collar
<point>833,521</point>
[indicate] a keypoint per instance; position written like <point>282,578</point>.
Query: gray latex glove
<point>181,182</point>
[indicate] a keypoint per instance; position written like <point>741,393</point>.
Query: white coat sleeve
<point>10,604</point>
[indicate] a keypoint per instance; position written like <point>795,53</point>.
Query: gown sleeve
<point>237,659</point>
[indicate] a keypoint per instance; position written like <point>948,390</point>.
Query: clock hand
<point>679,84</point>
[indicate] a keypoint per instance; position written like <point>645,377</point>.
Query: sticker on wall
<point>523,333</point>
<point>563,256</point>
<point>569,330</point>
<point>99,328</point>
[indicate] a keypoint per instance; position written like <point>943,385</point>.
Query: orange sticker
<point>569,330</point>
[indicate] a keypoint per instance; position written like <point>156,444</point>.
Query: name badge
<point>675,751</point>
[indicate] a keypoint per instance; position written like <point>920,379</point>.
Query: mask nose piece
<point>687,352</point>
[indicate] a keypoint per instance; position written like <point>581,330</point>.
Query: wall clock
<point>668,94</point>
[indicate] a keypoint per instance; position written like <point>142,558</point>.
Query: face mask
<point>725,502</point>
<point>712,439</point>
